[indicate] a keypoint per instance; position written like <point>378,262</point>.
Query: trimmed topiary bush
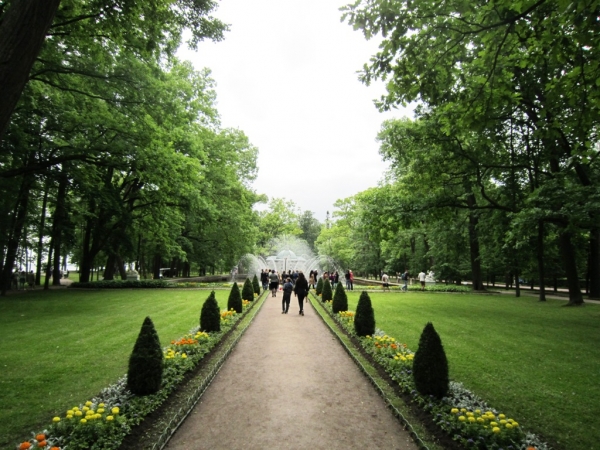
<point>430,366</point>
<point>235,299</point>
<point>248,290</point>
<point>327,292</point>
<point>340,299</point>
<point>319,288</point>
<point>210,316</point>
<point>144,375</point>
<point>364,319</point>
<point>256,285</point>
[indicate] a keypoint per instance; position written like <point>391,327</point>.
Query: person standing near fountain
<point>274,283</point>
<point>311,280</point>
<point>288,287</point>
<point>264,279</point>
<point>301,291</point>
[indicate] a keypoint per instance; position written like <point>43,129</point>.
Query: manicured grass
<point>59,348</point>
<point>536,362</point>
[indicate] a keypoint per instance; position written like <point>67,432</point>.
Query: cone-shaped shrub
<point>248,290</point>
<point>340,299</point>
<point>256,285</point>
<point>364,319</point>
<point>235,299</point>
<point>430,366</point>
<point>144,375</point>
<point>327,292</point>
<point>210,316</point>
<point>319,288</point>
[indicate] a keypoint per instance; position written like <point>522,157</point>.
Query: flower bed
<point>102,422</point>
<point>466,418</point>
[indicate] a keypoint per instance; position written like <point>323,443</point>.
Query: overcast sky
<point>286,76</point>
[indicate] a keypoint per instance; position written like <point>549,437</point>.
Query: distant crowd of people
<point>295,281</point>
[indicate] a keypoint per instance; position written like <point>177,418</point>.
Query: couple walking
<point>300,289</point>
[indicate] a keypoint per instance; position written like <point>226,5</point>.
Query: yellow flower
<point>480,420</point>
<point>69,416</point>
<point>493,424</point>
<point>83,421</point>
<point>462,418</point>
<point>478,411</point>
<point>109,418</point>
<point>75,408</point>
<point>515,424</point>
<point>496,430</point>
<point>70,412</point>
<point>471,419</point>
<point>56,419</point>
<point>101,405</point>
<point>101,410</point>
<point>85,408</point>
<point>503,422</point>
<point>501,416</point>
<point>78,413</point>
<point>469,414</point>
<point>508,425</point>
<point>454,410</point>
<point>88,403</point>
<point>115,410</point>
<point>463,410</point>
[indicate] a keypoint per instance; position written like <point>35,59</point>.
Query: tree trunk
<point>540,258</point>
<point>474,246</point>
<point>40,244</point>
<point>517,284</point>
<point>121,267</point>
<point>58,223</point>
<point>48,265</point>
<point>16,229</point>
<point>567,251</point>
<point>594,263</point>
<point>22,32</point>
<point>156,266</point>
<point>109,271</point>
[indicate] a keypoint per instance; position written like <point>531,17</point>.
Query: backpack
<point>404,276</point>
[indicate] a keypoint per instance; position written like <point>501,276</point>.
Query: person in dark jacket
<point>301,291</point>
<point>288,288</point>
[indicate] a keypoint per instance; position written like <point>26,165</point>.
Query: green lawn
<point>60,347</point>
<point>537,362</point>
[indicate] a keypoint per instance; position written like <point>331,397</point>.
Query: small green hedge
<point>123,284</point>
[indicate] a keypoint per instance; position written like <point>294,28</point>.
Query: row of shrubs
<point>424,376</point>
<point>153,374</point>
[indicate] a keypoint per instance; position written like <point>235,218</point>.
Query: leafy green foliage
<point>327,291</point>
<point>430,365</point>
<point>248,290</point>
<point>144,375</point>
<point>340,299</point>
<point>319,288</point>
<point>210,315</point>
<point>256,285</point>
<point>364,320</point>
<point>235,299</point>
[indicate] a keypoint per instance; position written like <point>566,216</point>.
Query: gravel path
<point>289,384</point>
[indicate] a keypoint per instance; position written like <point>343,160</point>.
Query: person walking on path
<point>422,279</point>
<point>273,283</point>
<point>405,279</point>
<point>288,288</point>
<point>301,291</point>
<point>351,280</point>
<point>385,280</point>
<point>311,280</point>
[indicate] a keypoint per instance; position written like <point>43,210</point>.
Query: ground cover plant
<point>533,361</point>
<point>77,343</point>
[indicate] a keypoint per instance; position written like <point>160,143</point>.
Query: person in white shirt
<point>422,279</point>
<point>386,281</point>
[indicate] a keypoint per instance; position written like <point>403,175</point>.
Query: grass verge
<point>535,361</point>
<point>58,347</point>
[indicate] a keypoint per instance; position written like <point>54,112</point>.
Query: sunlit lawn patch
<point>61,347</point>
<point>535,361</point>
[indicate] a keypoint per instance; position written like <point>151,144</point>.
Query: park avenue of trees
<point>112,151</point>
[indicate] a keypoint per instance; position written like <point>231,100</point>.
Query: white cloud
<point>286,76</point>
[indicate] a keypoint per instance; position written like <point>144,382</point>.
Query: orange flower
<point>531,448</point>
<point>24,446</point>
<point>55,448</point>
<point>41,437</point>
<point>42,444</point>
<point>394,346</point>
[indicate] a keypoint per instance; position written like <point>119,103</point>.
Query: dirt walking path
<point>288,384</point>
